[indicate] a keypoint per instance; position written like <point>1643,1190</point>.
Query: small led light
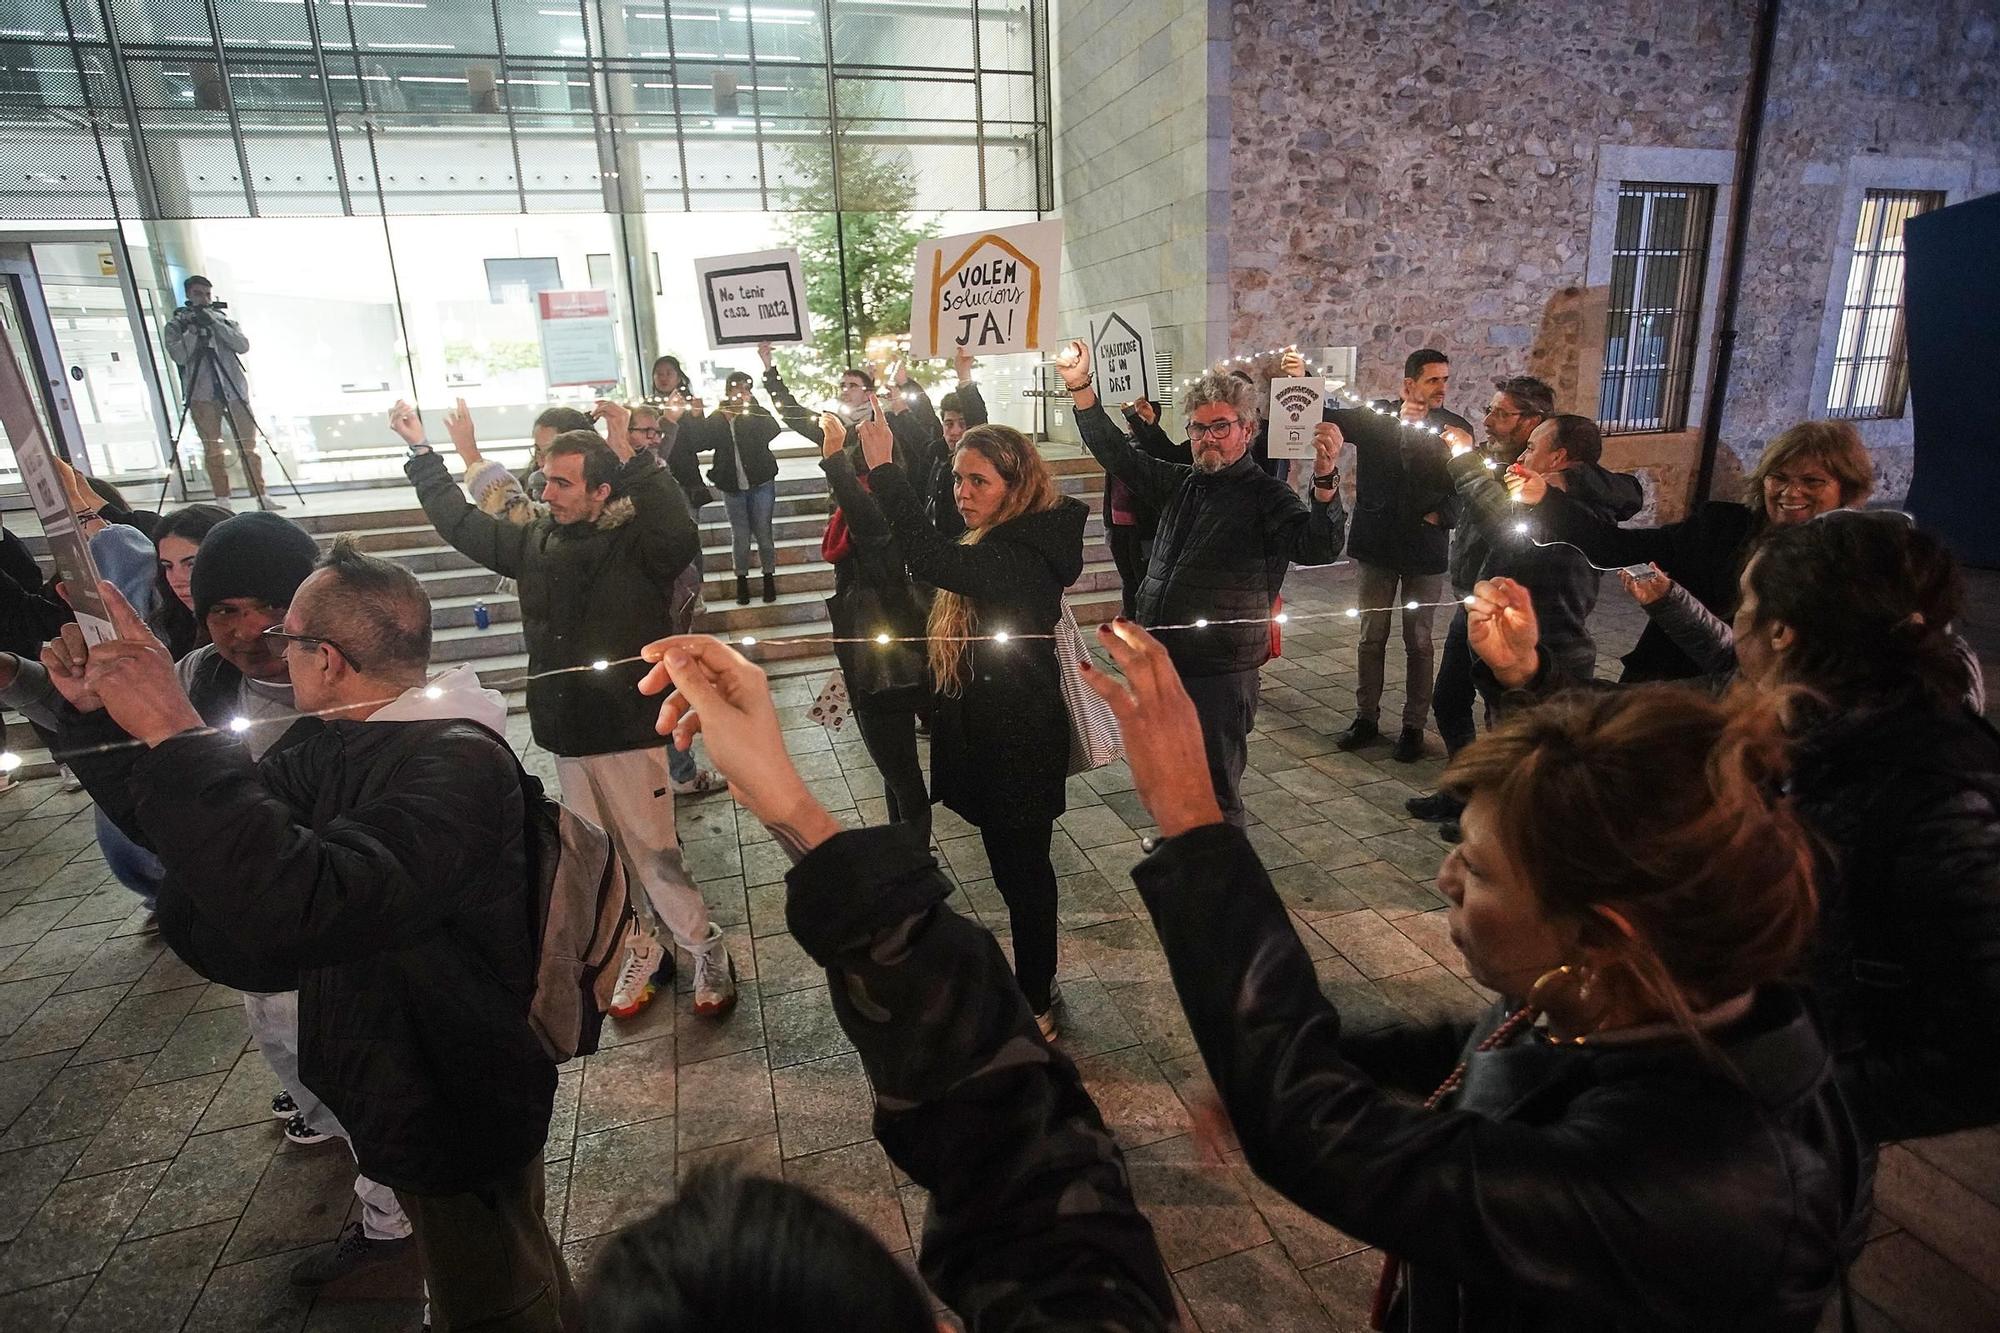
<point>600,665</point>
<point>1283,617</point>
<point>239,725</point>
<point>1202,623</point>
<point>1409,606</point>
<point>748,641</point>
<point>1353,612</point>
<point>1490,464</point>
<point>881,638</point>
<point>1521,528</point>
<point>9,761</point>
<point>433,692</point>
<point>1000,636</point>
<point>1470,599</point>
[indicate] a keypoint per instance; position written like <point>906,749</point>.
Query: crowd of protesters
<point>1739,911</point>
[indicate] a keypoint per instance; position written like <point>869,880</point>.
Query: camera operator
<point>208,347</point>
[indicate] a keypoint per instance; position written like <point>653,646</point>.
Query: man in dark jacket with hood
<point>1228,533</point>
<point>596,574</point>
<point>379,855</point>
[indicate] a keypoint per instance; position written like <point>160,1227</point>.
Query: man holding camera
<point>208,346</point>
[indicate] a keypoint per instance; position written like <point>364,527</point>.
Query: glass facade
<point>379,187</point>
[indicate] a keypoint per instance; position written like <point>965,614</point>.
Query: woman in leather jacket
<point>1644,1132</point>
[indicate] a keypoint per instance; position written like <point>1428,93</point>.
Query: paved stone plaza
<point>144,1186</point>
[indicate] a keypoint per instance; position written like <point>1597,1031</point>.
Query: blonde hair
<point>1835,445</point>
<point>1031,488</point>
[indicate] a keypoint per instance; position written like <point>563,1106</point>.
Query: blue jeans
<point>750,513</point>
<point>132,865</point>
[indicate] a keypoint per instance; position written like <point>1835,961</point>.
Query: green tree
<point>877,235</point>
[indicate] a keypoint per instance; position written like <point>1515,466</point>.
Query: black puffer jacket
<point>1149,439</point>
<point>1225,543</point>
<point>590,592</point>
<point>1704,553</point>
<point>1032,1224</point>
<point>386,863</point>
<point>1000,748</point>
<point>1560,581</point>
<point>1641,1187</point>
<point>1396,484</point>
<point>734,435</point>
<point>1905,796</point>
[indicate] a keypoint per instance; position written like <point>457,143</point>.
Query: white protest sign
<point>754,298</point>
<point>993,291</point>
<point>67,544</point>
<point>1297,408</point>
<point>579,338</point>
<point>1121,353</point>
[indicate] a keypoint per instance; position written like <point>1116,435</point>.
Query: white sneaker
<point>714,976</point>
<point>1046,1020</point>
<point>70,781</point>
<point>638,979</point>
<point>704,781</point>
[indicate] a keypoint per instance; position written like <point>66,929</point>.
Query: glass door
<point>14,327</point>
<point>110,376</point>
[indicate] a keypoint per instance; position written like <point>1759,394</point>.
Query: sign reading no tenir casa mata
<point>753,298</point>
<point>992,291</point>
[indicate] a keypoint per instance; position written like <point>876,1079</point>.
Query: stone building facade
<point>1402,173</point>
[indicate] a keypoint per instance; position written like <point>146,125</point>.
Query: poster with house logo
<point>992,291</point>
<point>754,298</point>
<point>1121,353</point>
<point>1296,408</point>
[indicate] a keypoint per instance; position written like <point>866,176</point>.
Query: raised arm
<point>790,412</point>
<point>1150,479</point>
<point>495,543</point>
<point>668,540</point>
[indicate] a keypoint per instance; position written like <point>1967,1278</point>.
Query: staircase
<point>385,520</point>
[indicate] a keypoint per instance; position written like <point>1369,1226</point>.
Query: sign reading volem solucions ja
<point>1297,407</point>
<point>992,291</point>
<point>754,298</point>
<point>1121,353</point>
<point>579,338</point>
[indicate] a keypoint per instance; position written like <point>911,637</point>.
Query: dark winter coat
<point>730,436</point>
<point>1631,1187</point>
<point>29,617</point>
<point>1148,438</point>
<point>1559,580</point>
<point>1905,797</point>
<point>1394,489</point>
<point>1000,748</point>
<point>383,866</point>
<point>590,592</point>
<point>1224,544</point>
<point>1032,1223</point>
<point>874,562</point>
<point>1704,553</point>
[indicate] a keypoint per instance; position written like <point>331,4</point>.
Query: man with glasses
<point>1228,532</point>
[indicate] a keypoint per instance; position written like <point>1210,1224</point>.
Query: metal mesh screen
<point>234,108</point>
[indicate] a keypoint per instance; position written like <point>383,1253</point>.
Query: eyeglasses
<point>1212,430</point>
<point>284,640</point>
<point>644,430</point>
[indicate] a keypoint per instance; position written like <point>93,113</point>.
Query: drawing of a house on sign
<point>985,290</point>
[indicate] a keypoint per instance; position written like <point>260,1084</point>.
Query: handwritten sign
<point>993,291</point>
<point>1296,408</point>
<point>67,544</point>
<point>754,298</point>
<point>1121,353</point>
<point>579,338</point>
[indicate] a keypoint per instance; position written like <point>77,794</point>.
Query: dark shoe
<point>1449,831</point>
<point>298,1131</point>
<point>743,590</point>
<point>1359,733</point>
<point>770,587</point>
<point>1409,746</point>
<point>1438,807</point>
<point>283,1107</point>
<point>352,1253</point>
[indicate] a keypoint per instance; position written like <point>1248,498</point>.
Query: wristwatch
<point>1330,481</point>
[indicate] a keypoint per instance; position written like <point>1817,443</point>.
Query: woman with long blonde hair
<point>1000,733</point>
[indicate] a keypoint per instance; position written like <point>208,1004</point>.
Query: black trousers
<point>1453,696</point>
<point>1227,707</point>
<point>890,735</point>
<point>489,1260</point>
<point>1026,878</point>
<point>1128,552</point>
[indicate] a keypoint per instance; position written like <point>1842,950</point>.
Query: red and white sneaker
<point>714,976</point>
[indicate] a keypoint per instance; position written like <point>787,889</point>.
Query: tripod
<point>229,399</point>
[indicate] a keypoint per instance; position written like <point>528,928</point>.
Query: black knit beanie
<point>256,555</point>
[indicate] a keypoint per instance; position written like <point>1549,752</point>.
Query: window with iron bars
<point>1659,260</point>
<point>1871,366</point>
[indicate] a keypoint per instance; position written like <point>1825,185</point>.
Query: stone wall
<point>1142,164</point>
<point>1413,172</point>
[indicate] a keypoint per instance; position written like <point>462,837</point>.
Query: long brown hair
<point>1031,488</point>
<point>1651,817</point>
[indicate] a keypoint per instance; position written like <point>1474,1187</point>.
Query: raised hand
<point>67,658</point>
<point>727,698</point>
<point>1292,364</point>
<point>835,432</point>
<point>878,442</point>
<point>1460,442</point>
<point>1527,487</point>
<point>403,420</point>
<point>1073,364</point>
<point>1327,440</point>
<point>1500,626</point>
<point>1646,588</point>
<point>133,675</point>
<point>617,419</point>
<point>1143,409</point>
<point>1162,734</point>
<point>764,354</point>
<point>458,425</point>
<point>961,362</point>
